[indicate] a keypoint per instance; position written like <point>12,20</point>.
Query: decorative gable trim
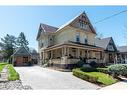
<point>113,44</point>
<point>76,19</point>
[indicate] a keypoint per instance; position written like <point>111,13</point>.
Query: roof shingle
<point>122,48</point>
<point>48,28</point>
<point>102,42</point>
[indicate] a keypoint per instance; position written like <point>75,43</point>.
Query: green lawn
<point>103,78</point>
<point>94,77</point>
<point>2,66</point>
<point>13,75</point>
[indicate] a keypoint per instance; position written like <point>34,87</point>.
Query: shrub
<point>80,74</point>
<point>80,63</point>
<point>45,62</point>
<point>101,65</point>
<point>93,64</point>
<point>88,69</point>
<point>118,69</point>
<point>103,70</point>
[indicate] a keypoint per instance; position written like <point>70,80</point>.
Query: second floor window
<point>86,41</point>
<point>41,44</point>
<point>77,37</point>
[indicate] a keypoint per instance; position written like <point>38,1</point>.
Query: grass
<point>13,75</point>
<point>99,77</point>
<point>103,78</point>
<point>2,66</point>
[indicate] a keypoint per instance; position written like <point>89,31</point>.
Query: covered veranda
<point>70,53</point>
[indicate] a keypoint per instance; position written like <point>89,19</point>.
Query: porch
<point>65,55</point>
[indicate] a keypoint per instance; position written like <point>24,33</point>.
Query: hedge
<point>118,69</point>
<point>88,69</point>
<point>103,70</point>
<point>78,73</point>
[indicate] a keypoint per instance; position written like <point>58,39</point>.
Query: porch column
<point>78,53</point>
<point>51,54</point>
<point>67,51</point>
<point>45,55</point>
<point>87,54</point>
<point>62,51</point>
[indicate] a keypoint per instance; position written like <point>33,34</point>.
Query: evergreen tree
<point>21,40</point>
<point>8,45</point>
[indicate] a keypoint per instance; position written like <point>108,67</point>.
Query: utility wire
<point>111,16</point>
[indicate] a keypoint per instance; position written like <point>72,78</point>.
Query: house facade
<point>25,57</point>
<point>122,55</point>
<point>65,46</point>
<point>21,57</point>
<point>110,49</point>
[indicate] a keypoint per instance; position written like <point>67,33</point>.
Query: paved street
<point>42,78</point>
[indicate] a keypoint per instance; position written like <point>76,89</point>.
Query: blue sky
<point>16,19</point>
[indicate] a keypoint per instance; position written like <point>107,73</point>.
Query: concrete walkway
<point>42,78</point>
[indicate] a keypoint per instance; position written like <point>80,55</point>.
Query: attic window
<point>83,24</point>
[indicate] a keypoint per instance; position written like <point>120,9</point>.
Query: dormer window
<point>78,37</point>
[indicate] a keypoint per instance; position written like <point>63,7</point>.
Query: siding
<point>69,34</point>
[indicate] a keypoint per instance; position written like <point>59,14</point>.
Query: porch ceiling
<point>74,45</point>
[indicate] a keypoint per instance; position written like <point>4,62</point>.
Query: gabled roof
<point>75,19</point>
<point>52,29</point>
<point>46,28</point>
<point>102,42</point>
<point>122,48</point>
<point>21,51</point>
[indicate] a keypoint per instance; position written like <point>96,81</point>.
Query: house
<point>65,46</point>
<point>110,49</point>
<point>21,57</point>
<point>122,54</point>
<point>24,56</point>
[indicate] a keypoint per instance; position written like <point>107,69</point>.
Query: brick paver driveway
<point>42,78</point>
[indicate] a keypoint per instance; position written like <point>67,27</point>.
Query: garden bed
<point>2,66</point>
<point>94,77</point>
<point>13,75</point>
